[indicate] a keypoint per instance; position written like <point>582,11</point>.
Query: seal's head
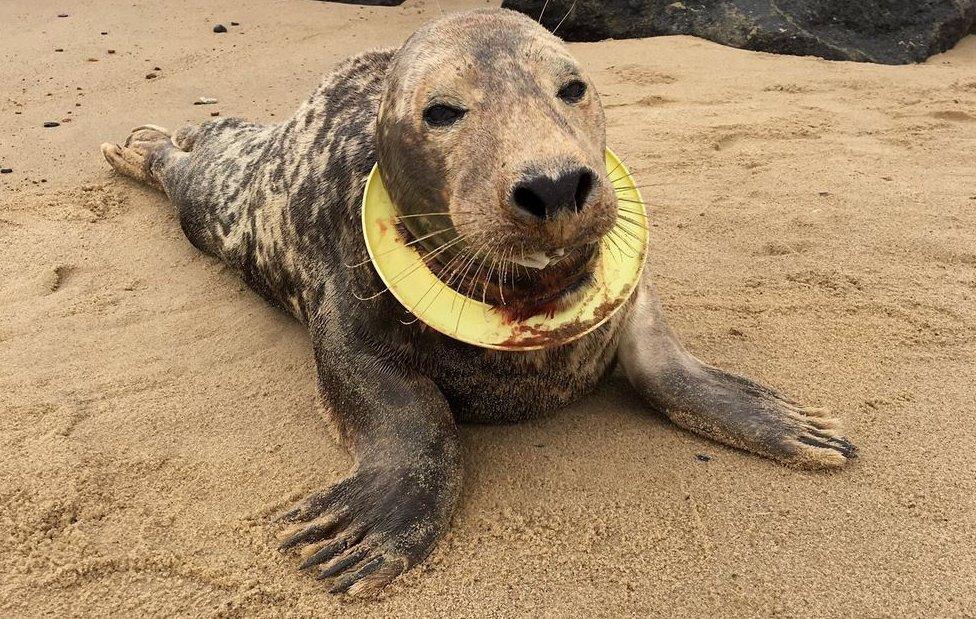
<point>491,141</point>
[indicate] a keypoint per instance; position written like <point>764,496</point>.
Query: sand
<point>814,227</point>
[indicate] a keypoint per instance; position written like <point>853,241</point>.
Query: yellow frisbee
<point>433,302</point>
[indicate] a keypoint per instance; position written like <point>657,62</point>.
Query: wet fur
<point>281,204</point>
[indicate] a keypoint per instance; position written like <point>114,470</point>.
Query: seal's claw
<point>368,528</point>
<point>372,575</point>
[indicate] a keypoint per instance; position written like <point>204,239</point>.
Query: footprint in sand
<point>642,76</point>
<point>954,115</point>
<point>54,280</point>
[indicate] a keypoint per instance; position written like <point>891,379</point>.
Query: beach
<point>813,227</point>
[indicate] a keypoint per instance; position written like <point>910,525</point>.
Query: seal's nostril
<point>583,188</point>
<point>529,201</point>
<point>545,197</point>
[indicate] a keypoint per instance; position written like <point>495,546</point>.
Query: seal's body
<point>281,204</point>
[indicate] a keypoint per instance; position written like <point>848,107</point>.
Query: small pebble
<point>234,23</point>
<point>59,49</point>
<point>111,51</point>
<point>703,457</point>
<point>62,15</point>
<point>6,171</point>
<point>215,113</point>
<point>93,60</point>
<point>50,124</point>
<point>220,28</point>
<point>151,76</point>
<point>104,33</point>
<point>157,69</point>
<point>205,101</point>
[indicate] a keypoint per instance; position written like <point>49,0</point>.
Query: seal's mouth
<point>521,285</point>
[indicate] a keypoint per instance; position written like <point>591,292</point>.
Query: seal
<point>490,140</point>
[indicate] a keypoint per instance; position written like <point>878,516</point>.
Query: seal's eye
<point>572,91</point>
<point>440,115</point>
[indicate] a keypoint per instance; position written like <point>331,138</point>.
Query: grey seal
<point>489,135</point>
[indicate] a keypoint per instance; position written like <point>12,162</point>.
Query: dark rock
<point>51,124</point>
<point>220,28</point>
<point>6,171</point>
<point>703,457</point>
<point>882,31</point>
<point>234,23</point>
<point>371,2</point>
<point>62,14</point>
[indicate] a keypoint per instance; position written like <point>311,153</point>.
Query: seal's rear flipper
<point>140,152</point>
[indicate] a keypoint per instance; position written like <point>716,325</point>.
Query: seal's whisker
<point>543,12</point>
<point>620,178</point>
<point>437,278</point>
<point>417,240</point>
<point>629,252</point>
<point>610,238</point>
<point>484,287</point>
<point>467,295</point>
<point>407,271</point>
<point>610,173</point>
<point>474,278</point>
<point>628,232</point>
<point>632,211</point>
<point>649,185</point>
<point>441,213</point>
<point>606,245</point>
<point>619,237</point>
<point>422,215</point>
<point>631,221</point>
<point>464,274</point>
<point>501,269</point>
<point>573,6</point>
<point>633,214</point>
<point>525,269</point>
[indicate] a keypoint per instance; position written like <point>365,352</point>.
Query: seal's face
<point>491,142</point>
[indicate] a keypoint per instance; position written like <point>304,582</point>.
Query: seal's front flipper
<point>388,513</point>
<point>725,407</point>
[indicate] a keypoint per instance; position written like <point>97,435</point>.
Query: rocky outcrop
<point>369,2</point>
<point>882,31</point>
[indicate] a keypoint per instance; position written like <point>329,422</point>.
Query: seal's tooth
<point>537,260</point>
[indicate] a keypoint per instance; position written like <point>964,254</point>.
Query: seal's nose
<point>543,197</point>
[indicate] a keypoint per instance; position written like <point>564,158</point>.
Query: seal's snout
<point>546,196</point>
